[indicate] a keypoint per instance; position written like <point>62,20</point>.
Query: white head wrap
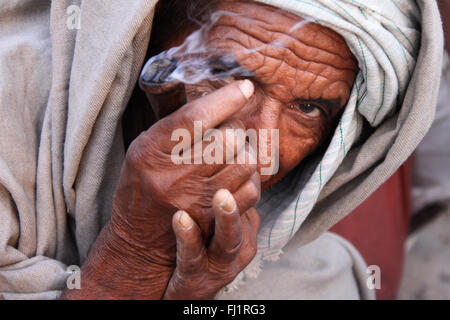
<point>384,36</point>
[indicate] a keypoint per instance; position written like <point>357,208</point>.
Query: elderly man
<point>187,231</point>
<point>300,95</point>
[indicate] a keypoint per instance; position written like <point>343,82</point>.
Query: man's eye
<point>310,109</point>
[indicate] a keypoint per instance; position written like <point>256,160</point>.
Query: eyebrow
<point>330,104</point>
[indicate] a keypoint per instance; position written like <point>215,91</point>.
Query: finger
<point>250,225</point>
<point>254,219</point>
<point>228,237</point>
<point>249,193</point>
<point>191,252</point>
<point>232,176</point>
<point>202,114</point>
<point>219,147</point>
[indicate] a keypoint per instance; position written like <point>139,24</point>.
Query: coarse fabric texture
<point>62,95</point>
<point>327,268</point>
<point>385,38</point>
<point>431,169</point>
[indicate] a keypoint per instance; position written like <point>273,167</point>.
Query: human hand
<point>203,270</point>
<point>152,188</point>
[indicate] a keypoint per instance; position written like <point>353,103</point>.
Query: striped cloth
<point>384,35</point>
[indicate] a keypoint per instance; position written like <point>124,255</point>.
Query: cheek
<point>298,140</point>
<point>294,149</point>
<point>298,136</point>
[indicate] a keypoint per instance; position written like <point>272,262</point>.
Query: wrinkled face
<point>303,76</point>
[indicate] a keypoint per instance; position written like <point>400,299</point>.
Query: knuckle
<point>255,221</point>
<point>185,280</point>
<point>252,250</point>
<point>234,272</point>
<point>189,266</point>
<point>225,277</point>
<point>249,254</point>
<point>245,171</point>
<point>134,154</point>
<point>253,193</point>
<point>226,249</point>
<point>214,184</point>
<point>211,185</point>
<point>144,152</point>
<point>236,245</point>
<point>256,218</point>
<point>195,265</point>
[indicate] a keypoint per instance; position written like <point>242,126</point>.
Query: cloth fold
<point>63,91</point>
<point>327,268</point>
<point>62,95</point>
<point>385,38</point>
<point>431,172</point>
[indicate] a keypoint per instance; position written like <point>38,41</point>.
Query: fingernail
<point>227,202</point>
<point>247,87</point>
<point>185,220</point>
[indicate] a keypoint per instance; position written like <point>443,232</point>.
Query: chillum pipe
<point>164,96</point>
<point>167,96</point>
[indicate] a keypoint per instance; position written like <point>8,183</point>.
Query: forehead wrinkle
<point>343,50</point>
<point>321,51</point>
<point>312,87</point>
<point>241,34</point>
<point>301,34</point>
<point>290,58</point>
<point>288,55</point>
<point>266,36</point>
<point>281,86</point>
<point>275,23</point>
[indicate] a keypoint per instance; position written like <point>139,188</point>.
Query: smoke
<point>193,61</point>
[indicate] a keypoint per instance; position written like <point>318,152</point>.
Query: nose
<point>261,112</point>
<point>263,115</point>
